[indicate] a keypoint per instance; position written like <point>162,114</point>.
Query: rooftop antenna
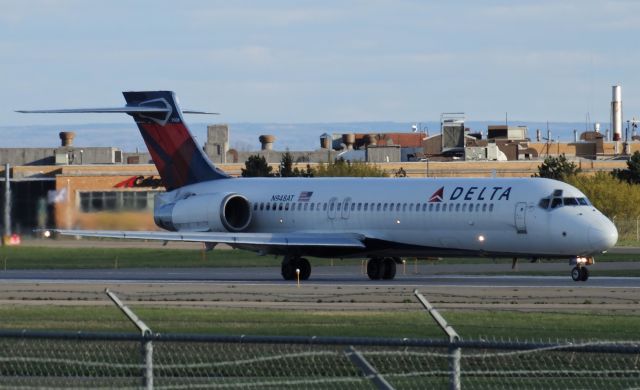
<point>587,123</point>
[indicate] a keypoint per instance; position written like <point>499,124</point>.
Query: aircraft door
<point>331,210</point>
<point>520,217</point>
<point>346,205</point>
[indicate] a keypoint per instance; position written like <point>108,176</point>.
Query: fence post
<point>147,346</point>
<point>368,370</point>
<point>455,352</point>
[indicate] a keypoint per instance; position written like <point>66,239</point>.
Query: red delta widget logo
<point>472,193</point>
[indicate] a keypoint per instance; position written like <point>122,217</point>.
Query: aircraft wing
<point>345,240</point>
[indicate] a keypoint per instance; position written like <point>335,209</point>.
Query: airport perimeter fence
<point>171,361</point>
<point>628,228</point>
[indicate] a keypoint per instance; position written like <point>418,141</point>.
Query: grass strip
<point>471,324</point>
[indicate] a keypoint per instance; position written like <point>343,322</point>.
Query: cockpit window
<point>557,201</point>
<point>571,202</point>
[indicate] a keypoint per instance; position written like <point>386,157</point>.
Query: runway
<point>338,275</point>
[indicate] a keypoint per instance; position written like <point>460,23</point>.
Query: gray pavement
<point>429,275</point>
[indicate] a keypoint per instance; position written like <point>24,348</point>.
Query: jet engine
<point>200,213</point>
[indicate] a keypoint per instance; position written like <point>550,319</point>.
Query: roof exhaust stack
<point>66,138</point>
<point>267,141</point>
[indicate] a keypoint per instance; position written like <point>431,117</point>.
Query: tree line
<point>257,166</point>
<point>616,193</point>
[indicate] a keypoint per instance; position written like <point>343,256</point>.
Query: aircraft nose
<point>603,237</point>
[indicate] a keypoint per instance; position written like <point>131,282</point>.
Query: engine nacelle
<point>200,213</point>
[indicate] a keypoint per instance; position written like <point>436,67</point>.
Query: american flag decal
<point>305,196</point>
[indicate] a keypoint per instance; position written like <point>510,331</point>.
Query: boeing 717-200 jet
<point>382,219</point>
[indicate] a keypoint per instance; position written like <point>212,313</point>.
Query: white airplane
<point>379,219</point>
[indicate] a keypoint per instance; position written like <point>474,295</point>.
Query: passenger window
<point>306,206</point>
<point>255,206</point>
<point>424,207</point>
<point>384,208</point>
<point>339,206</point>
<point>411,207</point>
<point>437,206</point>
<point>404,207</point>
<point>430,207</point>
<point>457,207</point>
<point>261,206</point>
<point>359,206</point>
<point>353,206</point>
<point>484,208</point>
<point>398,207</point>
<point>274,206</point>
<point>280,206</point>
<point>491,207</point>
<point>324,207</point>
<point>464,207</point>
<point>286,207</point>
<point>379,206</point>
<point>268,206</point>
<point>366,208</point>
<point>450,207</point>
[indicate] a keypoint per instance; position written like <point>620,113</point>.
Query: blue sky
<point>323,61</point>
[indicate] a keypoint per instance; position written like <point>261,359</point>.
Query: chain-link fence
<point>628,228</point>
<point>83,360</point>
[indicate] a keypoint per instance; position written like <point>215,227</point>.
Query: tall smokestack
<point>616,112</point>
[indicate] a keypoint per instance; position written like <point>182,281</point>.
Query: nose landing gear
<point>580,273</point>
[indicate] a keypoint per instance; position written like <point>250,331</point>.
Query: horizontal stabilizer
<point>345,240</point>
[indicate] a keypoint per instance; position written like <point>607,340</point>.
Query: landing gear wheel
<point>389,266</point>
<point>291,264</point>
<point>375,269</point>
<point>584,274</point>
<point>288,269</point>
<point>305,268</point>
<point>576,274</point>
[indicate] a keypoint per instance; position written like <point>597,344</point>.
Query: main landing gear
<point>292,263</point>
<point>382,268</point>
